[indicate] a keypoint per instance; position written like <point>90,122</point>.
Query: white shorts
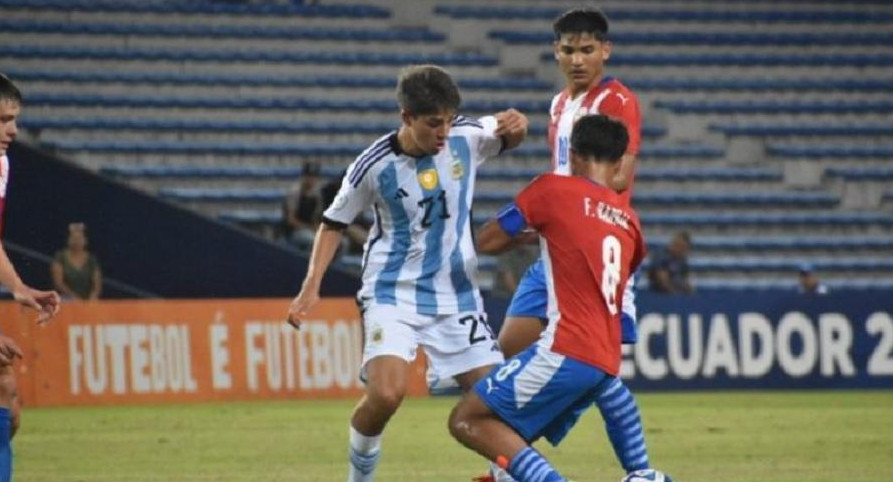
<point>454,344</point>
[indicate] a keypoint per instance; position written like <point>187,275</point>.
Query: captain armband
<point>511,220</point>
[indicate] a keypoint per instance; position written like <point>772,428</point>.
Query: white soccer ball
<point>647,475</point>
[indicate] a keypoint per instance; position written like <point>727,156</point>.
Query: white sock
<point>364,454</point>
<point>500,475</point>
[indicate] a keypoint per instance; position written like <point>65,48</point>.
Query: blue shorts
<point>531,298</point>
<point>540,393</point>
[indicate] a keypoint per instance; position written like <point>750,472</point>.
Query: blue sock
<point>528,465</point>
<point>5,448</point>
<point>624,427</point>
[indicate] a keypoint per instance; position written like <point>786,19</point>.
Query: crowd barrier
<point>156,351</point>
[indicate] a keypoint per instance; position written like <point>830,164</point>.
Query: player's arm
<point>46,303</point>
<point>325,245</point>
<point>515,224</point>
<point>511,126</point>
<point>625,107</point>
<point>354,196</point>
<point>621,180</point>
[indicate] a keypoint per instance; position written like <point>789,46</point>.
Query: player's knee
<point>461,422</point>
<point>388,398</point>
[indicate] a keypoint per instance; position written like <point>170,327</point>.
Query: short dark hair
<point>582,20</point>
<point>426,90</point>
<point>599,137</point>
<point>8,90</point>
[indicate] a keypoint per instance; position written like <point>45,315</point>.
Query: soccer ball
<point>647,475</point>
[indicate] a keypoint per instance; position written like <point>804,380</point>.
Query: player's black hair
<point>582,20</point>
<point>426,90</point>
<point>600,138</point>
<point>8,90</point>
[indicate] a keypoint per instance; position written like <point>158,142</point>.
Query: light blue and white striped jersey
<point>420,254</point>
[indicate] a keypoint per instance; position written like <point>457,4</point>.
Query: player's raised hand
<point>301,305</point>
<point>9,350</point>
<point>511,122</point>
<point>46,303</point>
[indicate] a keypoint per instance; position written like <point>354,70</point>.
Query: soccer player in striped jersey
<point>45,302</point>
<point>582,48</point>
<point>419,264</point>
<point>591,242</point>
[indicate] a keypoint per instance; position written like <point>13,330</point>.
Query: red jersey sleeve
<point>533,200</point>
<point>623,104</point>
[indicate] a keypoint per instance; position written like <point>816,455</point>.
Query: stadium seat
<point>761,84</point>
<point>710,38</point>
<point>679,15</point>
<point>223,31</point>
<point>746,59</point>
<point>812,151</point>
<point>180,8</point>
<point>806,129</point>
<point>779,243</point>
<point>327,149</point>
<point>240,55</point>
<point>861,173</point>
<point>777,107</point>
<point>268,80</point>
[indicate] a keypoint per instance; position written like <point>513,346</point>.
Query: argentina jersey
<point>420,254</point>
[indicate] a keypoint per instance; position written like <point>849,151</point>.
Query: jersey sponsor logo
<point>428,179</point>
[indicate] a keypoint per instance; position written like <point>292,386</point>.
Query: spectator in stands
<point>669,267</point>
<point>510,268</point>
<point>76,272</point>
<point>809,281</point>
<point>302,208</point>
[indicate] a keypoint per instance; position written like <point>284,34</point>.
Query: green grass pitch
<point>694,436</point>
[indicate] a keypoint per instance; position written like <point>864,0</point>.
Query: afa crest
<point>428,179</point>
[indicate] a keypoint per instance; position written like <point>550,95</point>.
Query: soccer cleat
<point>484,478</point>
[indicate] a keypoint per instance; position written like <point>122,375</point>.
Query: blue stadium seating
<point>192,125</point>
<point>279,80</point>
<point>861,173</point>
<point>327,149</point>
<point>725,219</point>
<point>223,195</point>
<point>654,14</point>
<point>758,264</point>
<point>710,38</point>
<point>813,151</point>
<point>761,84</point>
<point>489,173</point>
<point>202,6</point>
<point>641,199</point>
<point>748,284</point>
<point>709,219</point>
<point>284,103</point>
<point>810,129</point>
<point>223,31</point>
<point>756,244</point>
<point>210,172</point>
<point>240,55</point>
<point>777,107</point>
<point>746,59</point>
<point>254,80</point>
